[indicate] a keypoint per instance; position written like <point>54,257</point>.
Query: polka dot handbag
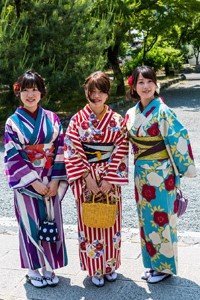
<point>48,230</point>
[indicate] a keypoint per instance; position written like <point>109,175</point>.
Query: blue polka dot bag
<point>48,231</point>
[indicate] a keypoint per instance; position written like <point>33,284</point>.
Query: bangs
<point>99,83</point>
<point>29,83</point>
<point>147,73</point>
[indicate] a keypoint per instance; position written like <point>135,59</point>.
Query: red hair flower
<point>130,80</point>
<point>16,88</point>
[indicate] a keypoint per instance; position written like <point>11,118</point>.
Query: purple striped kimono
<point>34,150</point>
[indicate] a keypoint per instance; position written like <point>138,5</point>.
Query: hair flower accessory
<point>16,88</point>
<point>130,80</point>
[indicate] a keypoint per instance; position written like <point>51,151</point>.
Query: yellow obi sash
<point>148,147</point>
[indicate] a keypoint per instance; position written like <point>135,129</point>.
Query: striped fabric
<point>22,168</point>
<point>99,249</point>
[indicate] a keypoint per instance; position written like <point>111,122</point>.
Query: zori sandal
<point>36,281</point>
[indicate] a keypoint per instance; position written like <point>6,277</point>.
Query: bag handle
<point>107,198</point>
<point>49,208</point>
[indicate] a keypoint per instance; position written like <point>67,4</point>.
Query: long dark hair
<point>146,72</point>
<point>30,79</point>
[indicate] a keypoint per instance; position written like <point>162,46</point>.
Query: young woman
<point>96,163</point>
<point>35,169</point>
<point>156,134</point>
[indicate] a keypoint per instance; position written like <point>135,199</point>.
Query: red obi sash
<point>40,155</point>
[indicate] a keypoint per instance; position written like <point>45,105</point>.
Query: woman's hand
<point>105,186</point>
<point>92,184</point>
<point>40,187</point>
<point>53,188</point>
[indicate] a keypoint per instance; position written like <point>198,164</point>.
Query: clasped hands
<point>103,187</point>
<point>48,190</point>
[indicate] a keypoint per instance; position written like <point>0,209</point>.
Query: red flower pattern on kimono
<point>170,183</point>
<point>83,246</point>
<point>95,122</point>
<point>153,130</point>
<point>84,125</point>
<point>142,235</point>
<point>148,192</point>
<point>160,218</point>
<point>122,167</point>
<point>150,249</point>
<point>112,123</point>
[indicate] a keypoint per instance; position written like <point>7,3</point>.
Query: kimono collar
<point>32,114</point>
<point>149,108</point>
<point>90,111</point>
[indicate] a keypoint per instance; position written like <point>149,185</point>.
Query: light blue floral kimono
<point>151,131</point>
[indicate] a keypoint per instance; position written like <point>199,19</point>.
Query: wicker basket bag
<point>99,215</point>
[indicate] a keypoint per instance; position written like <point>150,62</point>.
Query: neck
<point>145,102</point>
<point>98,110</point>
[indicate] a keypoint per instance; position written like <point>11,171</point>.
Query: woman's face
<point>97,98</point>
<point>145,87</point>
<point>30,98</point>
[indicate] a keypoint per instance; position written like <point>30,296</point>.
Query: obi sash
<point>98,152</point>
<point>40,155</point>
<point>148,147</point>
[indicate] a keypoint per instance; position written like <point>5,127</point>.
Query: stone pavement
<point>74,283</point>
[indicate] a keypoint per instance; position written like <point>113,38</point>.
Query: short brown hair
<point>99,80</point>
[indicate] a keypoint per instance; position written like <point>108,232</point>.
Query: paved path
<point>74,285</point>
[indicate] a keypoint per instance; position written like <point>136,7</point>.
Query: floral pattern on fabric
<point>95,249</point>
<point>155,183</point>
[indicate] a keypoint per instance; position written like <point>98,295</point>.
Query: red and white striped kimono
<point>98,146</point>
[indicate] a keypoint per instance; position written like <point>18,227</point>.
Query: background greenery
<point>67,40</point>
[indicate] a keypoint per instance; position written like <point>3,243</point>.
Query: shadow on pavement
<point>123,288</point>
<point>174,288</point>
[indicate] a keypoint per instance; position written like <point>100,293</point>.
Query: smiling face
<point>145,87</point>
<point>97,87</point>
<point>30,98</point>
<point>96,98</point>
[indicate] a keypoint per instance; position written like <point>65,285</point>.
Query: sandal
<point>111,277</point>
<point>146,274</point>
<point>38,282</point>
<point>51,280</point>
<point>98,281</point>
<point>157,277</point>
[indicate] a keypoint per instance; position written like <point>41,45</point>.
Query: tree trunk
<point>112,54</point>
<point>18,7</point>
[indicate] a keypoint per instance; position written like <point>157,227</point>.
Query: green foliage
<point>67,40</point>
<point>56,39</point>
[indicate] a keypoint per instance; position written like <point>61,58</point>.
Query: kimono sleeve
<point>75,159</point>
<point>117,171</point>
<point>58,170</point>
<point>176,137</point>
<point>18,168</point>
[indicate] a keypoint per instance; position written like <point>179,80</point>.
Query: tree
<point>56,39</point>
